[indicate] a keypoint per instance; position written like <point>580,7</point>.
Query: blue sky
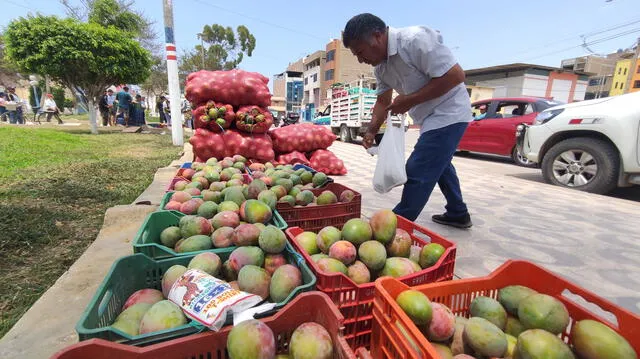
<point>481,33</point>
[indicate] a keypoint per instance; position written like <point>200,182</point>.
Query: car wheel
<point>378,138</point>
<point>345,134</point>
<point>520,159</point>
<point>586,164</point>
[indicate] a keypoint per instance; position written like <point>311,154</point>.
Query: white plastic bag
<point>390,170</point>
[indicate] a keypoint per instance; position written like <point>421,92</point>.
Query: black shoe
<point>458,222</point>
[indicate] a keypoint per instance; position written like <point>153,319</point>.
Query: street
<point>587,238</point>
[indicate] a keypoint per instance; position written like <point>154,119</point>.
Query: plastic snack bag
<point>207,299</point>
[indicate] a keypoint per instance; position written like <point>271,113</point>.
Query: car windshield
<point>545,104</point>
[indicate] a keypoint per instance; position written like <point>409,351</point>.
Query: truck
<point>349,112</point>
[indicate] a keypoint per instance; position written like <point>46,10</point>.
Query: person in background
<point>482,114</point>
<point>111,102</point>
<point>3,101</point>
<point>124,102</point>
<point>15,116</point>
<point>103,106</point>
<point>51,108</point>
<point>185,109</point>
<point>430,83</point>
<point>160,109</point>
<point>166,107</point>
<point>137,112</point>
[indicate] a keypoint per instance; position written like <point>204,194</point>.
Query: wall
<point>535,85</point>
<point>504,86</point>
<point>621,75</point>
<point>279,85</point>
<point>635,76</point>
<point>480,93</point>
<point>580,90</point>
<point>330,63</point>
<point>561,86</point>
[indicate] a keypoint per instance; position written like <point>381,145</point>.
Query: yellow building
<point>621,76</point>
<point>634,84</point>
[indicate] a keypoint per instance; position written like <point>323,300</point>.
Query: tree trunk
<point>93,117</point>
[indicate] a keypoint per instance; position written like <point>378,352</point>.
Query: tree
<point>85,57</point>
<point>156,83</point>
<point>118,13</point>
<point>223,49</point>
<point>8,70</point>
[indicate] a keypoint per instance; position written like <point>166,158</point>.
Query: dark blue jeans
<point>430,163</point>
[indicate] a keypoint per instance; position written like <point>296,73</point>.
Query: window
<point>636,84</point>
<point>510,109</point>
<point>615,86</point>
<point>479,111</point>
<point>638,71</point>
<point>619,70</point>
<point>331,55</point>
<point>328,75</point>
<point>306,80</point>
<point>315,77</point>
<point>625,71</point>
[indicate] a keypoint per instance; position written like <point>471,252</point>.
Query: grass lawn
<point>55,186</point>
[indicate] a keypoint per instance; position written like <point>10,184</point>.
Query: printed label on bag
<point>207,299</point>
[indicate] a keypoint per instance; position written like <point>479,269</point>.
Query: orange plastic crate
<point>314,218</point>
<point>356,301</point>
<point>307,307</point>
<point>389,342</point>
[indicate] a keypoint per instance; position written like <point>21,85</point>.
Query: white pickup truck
<point>592,145</point>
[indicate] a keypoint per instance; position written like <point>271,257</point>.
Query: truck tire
<point>582,163</point>
<point>345,134</point>
<point>520,160</point>
<point>378,138</point>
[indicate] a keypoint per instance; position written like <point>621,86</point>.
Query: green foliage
<point>8,70</point>
<point>223,49</point>
<point>68,103</point>
<point>79,55</point>
<point>156,83</point>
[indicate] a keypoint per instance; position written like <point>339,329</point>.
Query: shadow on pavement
<point>485,157</point>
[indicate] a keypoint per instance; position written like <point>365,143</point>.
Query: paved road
<point>590,239</point>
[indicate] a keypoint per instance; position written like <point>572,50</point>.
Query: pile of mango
<point>521,323</point>
<point>364,250</point>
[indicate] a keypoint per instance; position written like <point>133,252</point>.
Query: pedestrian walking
<point>430,85</point>
<point>160,109</point>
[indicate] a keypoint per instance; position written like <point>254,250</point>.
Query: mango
<point>326,197</point>
<point>245,235</point>
<point>147,296</point>
<point>170,236</point>
<point>442,325</point>
<point>430,254</point>
<point>310,340</point>
<point>222,237</point>
<point>319,179</point>
<point>269,198</point>
<point>255,211</point>
<point>400,246</point>
<point>129,319</point>
<point>212,196</point>
<point>171,276</point>
<point>225,219</point>
<point>541,311</point>
<point>290,200</point>
<point>273,262</point>
<point>307,241</point>
<point>357,231</point>
<point>593,340</point>
<point>358,272</point>
<point>180,196</point>
<point>251,339</point>
<point>272,240</point>
<point>208,209</point>
<point>331,265</point>
<point>326,237</point>
<point>255,280</point>
<point>511,296</point>
<point>513,327</point>
<point>318,256</point>
<point>304,198</point>
<point>192,225</point>
<point>383,224</point>
<point>347,196</point>
<point>373,254</point>
<point>207,262</point>
<point>162,315</point>
<point>442,350</point>
<point>398,267</point>
<point>284,281</point>
<point>540,344</point>
<point>229,206</point>
<point>343,251</point>
<point>248,255</point>
<point>416,305</point>
<point>255,187</point>
<point>489,309</point>
<point>191,206</point>
<point>458,345</point>
<point>484,337</point>
<point>199,242</point>
<point>280,191</point>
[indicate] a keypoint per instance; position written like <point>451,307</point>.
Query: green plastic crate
<point>147,240</point>
<point>277,219</point>
<point>131,273</point>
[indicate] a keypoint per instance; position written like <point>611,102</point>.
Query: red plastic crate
<point>307,307</point>
<point>356,301</point>
<point>388,341</point>
<point>314,218</point>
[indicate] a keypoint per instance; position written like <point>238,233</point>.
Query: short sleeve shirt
<point>124,99</point>
<point>415,55</point>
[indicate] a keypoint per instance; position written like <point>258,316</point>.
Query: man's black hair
<point>126,88</point>
<point>361,27</point>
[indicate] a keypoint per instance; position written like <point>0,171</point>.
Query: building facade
<point>289,85</point>
<point>600,70</point>
<point>621,76</point>
<point>634,70</point>
<point>515,80</point>
<point>313,84</point>
<point>341,66</point>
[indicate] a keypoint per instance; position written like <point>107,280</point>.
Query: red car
<point>494,126</point>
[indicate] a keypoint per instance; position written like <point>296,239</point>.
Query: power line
<point>20,5</point>
<point>296,31</point>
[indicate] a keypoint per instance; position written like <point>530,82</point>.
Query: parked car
<point>495,122</point>
<point>592,146</point>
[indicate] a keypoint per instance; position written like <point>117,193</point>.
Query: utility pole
<point>172,75</point>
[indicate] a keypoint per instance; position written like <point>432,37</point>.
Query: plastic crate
<point>147,240</point>
<point>389,342</point>
<point>131,273</point>
<point>307,307</point>
<point>298,166</point>
<point>356,301</point>
<point>314,218</point>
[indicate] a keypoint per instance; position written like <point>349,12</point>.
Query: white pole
<point>172,74</point>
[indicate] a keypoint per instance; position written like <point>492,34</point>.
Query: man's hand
<point>401,104</point>
<point>368,140</point>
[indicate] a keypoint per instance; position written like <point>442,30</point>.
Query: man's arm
<point>378,116</point>
<point>437,87</point>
